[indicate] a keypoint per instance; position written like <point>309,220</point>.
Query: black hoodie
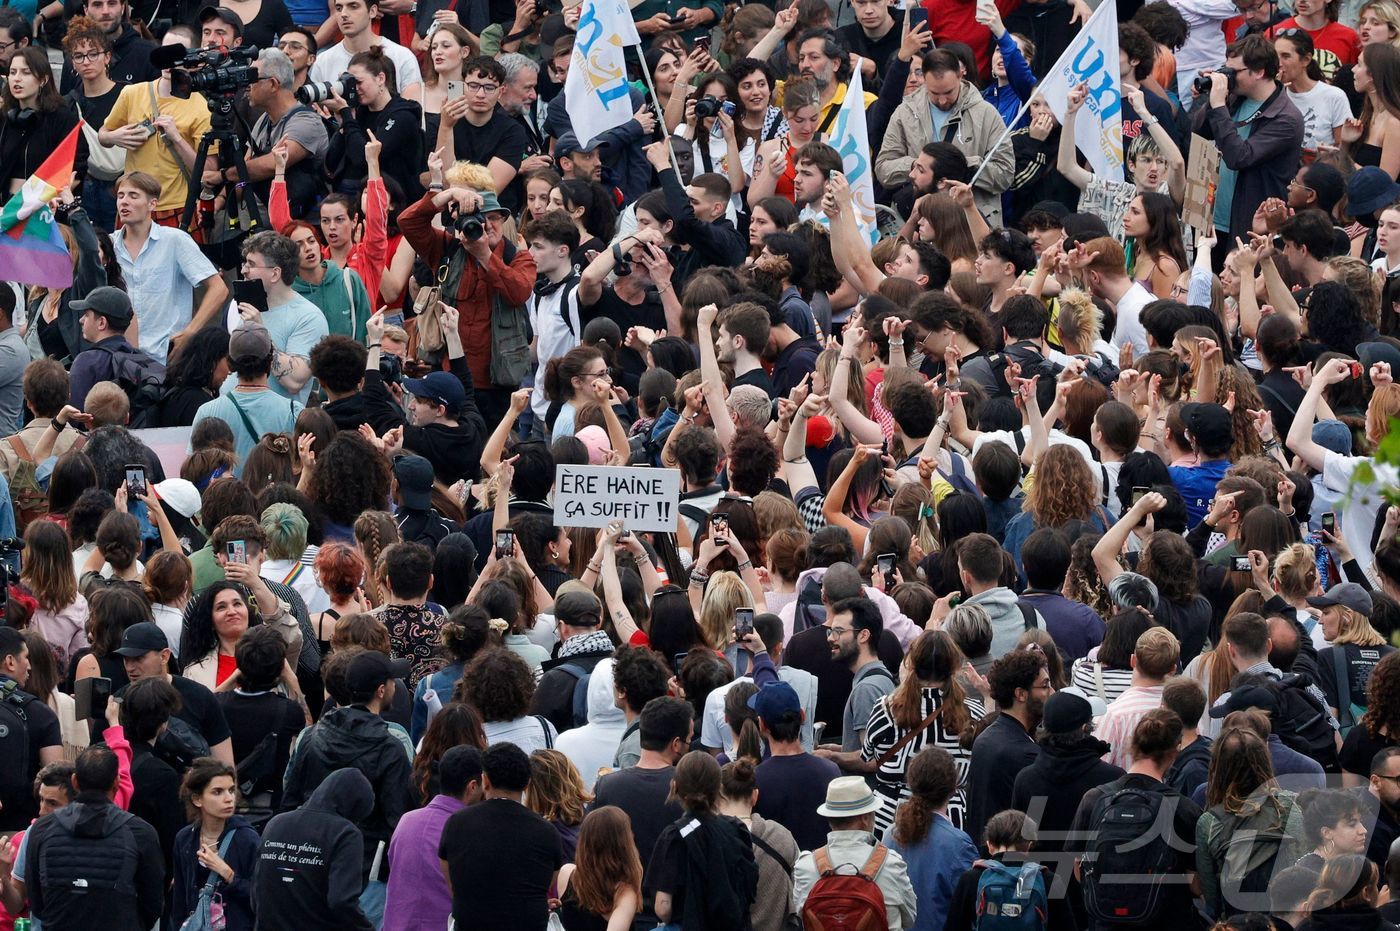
<point>310,869</point>
<point>75,861</point>
<point>1066,768</point>
<point>354,737</point>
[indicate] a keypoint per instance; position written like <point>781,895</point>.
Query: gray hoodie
<point>1008,622</point>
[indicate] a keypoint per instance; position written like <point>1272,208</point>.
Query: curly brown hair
<point>498,684</point>
<point>1235,380</point>
<point>1063,489</point>
<point>350,477</point>
<point>1168,561</point>
<point>1383,698</point>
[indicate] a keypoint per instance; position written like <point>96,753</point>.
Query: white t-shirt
<point>554,335</point>
<point>715,730</point>
<point>1129,328</point>
<point>1324,108</point>
<point>1057,438</point>
<point>331,63</point>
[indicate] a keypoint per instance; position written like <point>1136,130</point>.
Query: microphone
<point>167,56</point>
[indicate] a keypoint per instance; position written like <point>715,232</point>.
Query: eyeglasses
<point>1395,779</point>
<point>833,632</point>
<point>79,57</point>
<point>6,46</point>
<point>603,374</point>
<point>477,88</point>
<point>299,46</point>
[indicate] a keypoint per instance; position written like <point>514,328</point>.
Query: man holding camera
<point>285,122</point>
<point>1257,128</point>
<point>484,275</point>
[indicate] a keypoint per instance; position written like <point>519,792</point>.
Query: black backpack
<point>16,780</point>
<point>142,376</point>
<point>1303,722</point>
<point>1125,844</point>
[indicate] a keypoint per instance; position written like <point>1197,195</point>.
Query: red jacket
<point>956,21</point>
<point>514,282</point>
<point>370,256</point>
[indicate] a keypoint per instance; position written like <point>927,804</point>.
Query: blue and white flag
<point>597,95</point>
<point>1092,58</point>
<point>849,137</point>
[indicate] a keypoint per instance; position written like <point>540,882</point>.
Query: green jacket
<point>342,297</point>
<point>206,569</point>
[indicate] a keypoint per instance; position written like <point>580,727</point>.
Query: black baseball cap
<point>370,670</point>
<point>143,638</point>
<point>1249,696</point>
<point>108,302</point>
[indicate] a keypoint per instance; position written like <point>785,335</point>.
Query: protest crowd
<point>700,465</point>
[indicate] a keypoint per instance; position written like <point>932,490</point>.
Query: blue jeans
<point>372,902</point>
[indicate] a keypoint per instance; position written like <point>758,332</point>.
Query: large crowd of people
<point>1034,563</point>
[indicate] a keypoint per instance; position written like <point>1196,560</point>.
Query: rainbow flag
<point>32,250</point>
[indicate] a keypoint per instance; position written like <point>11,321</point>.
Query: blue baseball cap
<point>775,701</point>
<point>439,387</point>
<point>1332,435</point>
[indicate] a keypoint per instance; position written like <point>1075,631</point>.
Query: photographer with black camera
<point>288,122</point>
<point>483,276</point>
<point>377,108</point>
<point>1257,128</point>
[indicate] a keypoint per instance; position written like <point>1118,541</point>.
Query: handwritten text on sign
<point>594,496</point>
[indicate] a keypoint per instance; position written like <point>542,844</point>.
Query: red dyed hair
<point>340,569</point>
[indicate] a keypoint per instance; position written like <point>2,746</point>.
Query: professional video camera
<point>213,72</point>
<point>345,87</point>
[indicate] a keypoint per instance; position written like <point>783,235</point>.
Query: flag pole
<point>660,116</point>
<point>1000,139</point>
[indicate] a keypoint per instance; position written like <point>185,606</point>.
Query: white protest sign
<point>595,496</point>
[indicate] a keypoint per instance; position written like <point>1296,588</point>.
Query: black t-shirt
<point>1184,813</point>
<point>251,718</point>
<point>879,50</point>
<point>1358,661</point>
<point>272,20</point>
<point>198,709</point>
<point>94,110</point>
<point>1359,748</point>
<point>501,137</point>
<point>649,313</point>
<point>501,857</point>
<point>642,793</point>
<point>20,808</point>
<point>757,377</point>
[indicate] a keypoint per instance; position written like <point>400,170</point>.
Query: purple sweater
<point>418,898</point>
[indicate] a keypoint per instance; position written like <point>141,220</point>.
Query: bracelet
<point>798,461</point>
<point>662,289</point>
<point>641,559</point>
<point>57,427</point>
<point>436,187</point>
<point>746,564</point>
<point>593,568</point>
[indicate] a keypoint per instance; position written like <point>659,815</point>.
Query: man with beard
<point>131,54</point>
<point>1020,685</point>
<point>824,59</point>
<point>936,162</point>
<point>1383,791</point>
<point>853,630</point>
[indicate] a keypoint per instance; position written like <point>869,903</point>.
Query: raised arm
<point>711,377</point>
<point>800,473</point>
<point>1300,431</point>
<point>496,442</point>
<point>782,25</point>
<point>834,507</point>
<point>622,619</point>
<point>1110,545</point>
<point>1067,163</point>
<point>862,428</point>
<point>1176,163</point>
<point>851,253</point>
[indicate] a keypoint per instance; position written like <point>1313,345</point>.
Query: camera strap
<point>170,146</point>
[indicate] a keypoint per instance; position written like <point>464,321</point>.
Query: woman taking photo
<point>218,851</point>
<point>714,138</point>
<point>928,709</point>
<point>1374,139</point>
<point>62,612</point>
<point>448,50</point>
<point>218,618</point>
<point>716,894</point>
<point>393,121</point>
<point>601,890</point>
<point>774,848</point>
<point>1156,255</point>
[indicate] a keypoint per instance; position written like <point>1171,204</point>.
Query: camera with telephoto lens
<point>213,72</point>
<point>472,225</point>
<point>345,87</point>
<point>706,107</point>
<point>1202,82</point>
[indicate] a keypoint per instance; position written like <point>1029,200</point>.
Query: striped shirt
<point>1116,727</point>
<point>1097,679</point>
<point>881,733</point>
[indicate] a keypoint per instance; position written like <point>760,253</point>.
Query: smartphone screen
<point>918,14</point>
<point>250,292</point>
<point>1329,521</point>
<point>743,622</point>
<point>719,525</point>
<point>505,543</point>
<point>237,551</point>
<point>136,481</point>
<point>703,43</point>
<point>885,563</point>
<point>1138,492</point>
<point>676,662</point>
<point>90,697</point>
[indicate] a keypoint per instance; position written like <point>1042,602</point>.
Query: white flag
<point>1092,58</point>
<point>597,94</point>
<point>848,137</point>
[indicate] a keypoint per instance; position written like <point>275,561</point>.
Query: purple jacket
<point>418,898</point>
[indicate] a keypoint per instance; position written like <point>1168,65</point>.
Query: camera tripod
<point>222,131</point>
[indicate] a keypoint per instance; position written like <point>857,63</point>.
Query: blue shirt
<point>1225,191</point>
<point>295,328</point>
<point>1197,485</point>
<point>935,865</point>
<point>939,118</point>
<point>160,281</point>
<point>266,411</point>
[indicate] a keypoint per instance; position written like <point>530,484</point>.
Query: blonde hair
<point>1389,13</point>
<point>1356,276</point>
<point>471,175</point>
<point>1356,628</point>
<point>1156,652</point>
<point>724,592</point>
<point>1295,571</point>
<point>1080,319</point>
